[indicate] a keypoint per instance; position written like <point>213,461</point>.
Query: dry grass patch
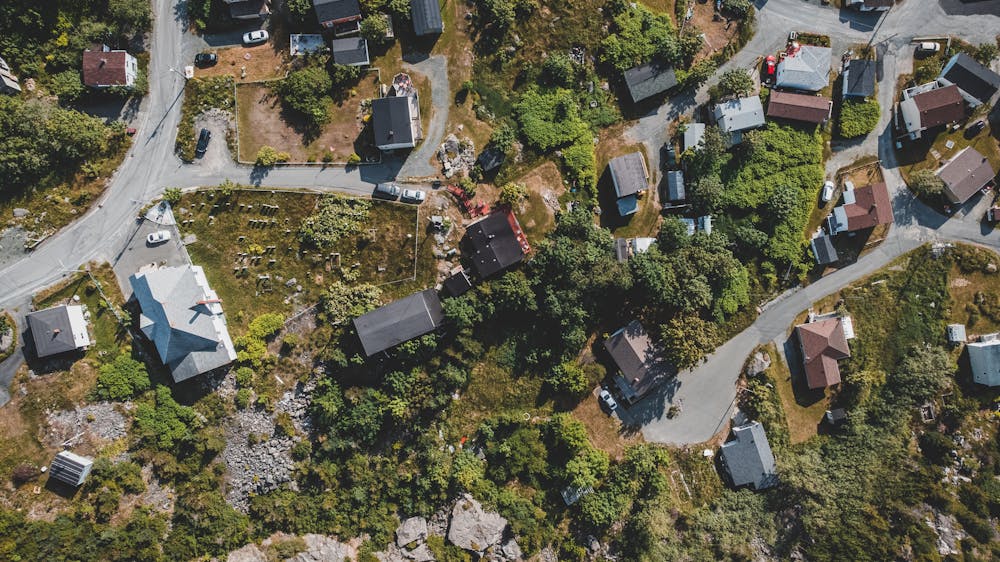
<point>545,187</point>
<point>266,62</point>
<point>964,288</point>
<point>802,412</point>
<point>605,432</point>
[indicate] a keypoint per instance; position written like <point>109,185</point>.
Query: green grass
<point>107,335</point>
<point>803,412</point>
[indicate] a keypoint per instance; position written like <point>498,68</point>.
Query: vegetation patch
<point>858,118</point>
<point>200,95</point>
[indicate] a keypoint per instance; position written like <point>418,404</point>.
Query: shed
<point>956,334</point>
<point>799,107</point>
<point>351,51</point>
<point>426,16</point>
<point>647,80</point>
<point>693,135</point>
<point>70,468</point>
<point>458,283</point>
<point>675,186</point>
<point>58,329</point>
<point>748,459</point>
<point>399,321</point>
<point>823,250</point>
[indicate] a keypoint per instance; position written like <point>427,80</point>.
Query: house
<point>930,105</point>
<point>58,329</point>
<point>350,51</point>
<point>977,83</point>
<point>747,459</point>
<point>183,317</point>
<point>823,250</point>
<point>965,174</point>
<point>705,224</point>
<point>396,117</point>
<point>863,208</point>
<point>870,5</point>
<point>804,67</point>
<point>399,321</point>
<point>631,179</point>
<point>640,362</point>
<point>426,16</point>
<point>495,243</point>
<point>341,16</point>
<point>70,468</point>
<point>248,9</point>
<point>647,80</point>
<point>675,186</point>
<point>107,68</point>
<point>984,358</point>
<point>458,283</point>
<point>9,83</point>
<point>626,248</point>
<point>823,343</point>
<point>858,79</point>
<point>799,107</point>
<point>956,334</point>
<point>694,133</point>
<point>739,115</point>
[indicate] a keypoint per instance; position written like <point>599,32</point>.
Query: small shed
<point>956,334</point>
<point>70,468</point>
<point>675,186</point>
<point>822,247</point>
<point>836,416</point>
<point>352,51</point>
<point>458,283</point>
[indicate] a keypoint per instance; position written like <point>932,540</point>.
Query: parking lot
<point>139,253</point>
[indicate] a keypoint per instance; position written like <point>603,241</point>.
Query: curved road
<point>707,392</point>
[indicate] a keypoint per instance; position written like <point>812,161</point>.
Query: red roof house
<point>106,68</point>
<point>864,207</point>
<point>823,343</point>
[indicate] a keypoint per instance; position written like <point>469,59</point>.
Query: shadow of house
<point>641,363</point>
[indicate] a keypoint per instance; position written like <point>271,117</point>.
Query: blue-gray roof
<point>859,79</point>
<point>748,458</point>
<point>426,15</point>
<point>675,186</point>
<point>351,51</point>
<point>647,80</point>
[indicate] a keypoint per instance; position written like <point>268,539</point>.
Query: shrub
<point>172,195</point>
<point>343,302</point>
<point>266,325</point>
<point>268,156</point>
<point>503,137</point>
<point>374,27</point>
<point>558,70</point>
<point>353,159</point>
<point>307,92</point>
<point>735,82</point>
<point>336,218</point>
<point>568,378</point>
<point>926,183</point>
<point>122,379</point>
<point>739,8</point>
<point>858,118</point>
<point>513,193</point>
<point>67,85</point>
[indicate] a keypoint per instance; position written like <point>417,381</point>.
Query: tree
<point>299,9</point>
<point>374,27</point>
<point>343,75</point>
<point>735,82</point>
<point>739,8</point>
<point>513,193</point>
<point>783,201</point>
<point>307,92</point>
<point>268,156</point>
<point>688,339</point>
<point>498,14</point>
<point>568,378</point>
<point>121,379</point>
<point>672,236</point>
<point>130,15</point>
<point>985,53</point>
<point>706,193</point>
<point>67,86</point>
<point>926,183</point>
<point>164,424</point>
<point>503,137</point>
<point>558,70</point>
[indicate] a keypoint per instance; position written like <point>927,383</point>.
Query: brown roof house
<point>640,361</point>
<point>106,68</point>
<point>823,343</point>
<point>928,106</point>
<point>863,208</point>
<point>965,174</point>
<point>798,107</point>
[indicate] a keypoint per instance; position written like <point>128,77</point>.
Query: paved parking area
<point>138,253</point>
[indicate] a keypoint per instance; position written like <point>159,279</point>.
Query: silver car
<point>255,37</point>
<point>414,196</point>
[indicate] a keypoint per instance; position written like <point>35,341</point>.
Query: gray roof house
<point>859,79</point>
<point>748,460</point>
<point>396,117</point>
<point>58,329</point>
<point>426,16</point>
<point>70,468</point>
<point>647,80</point>
<point>630,178</point>
<point>399,321</point>
<point>640,361</point>
<point>977,83</point>
<point>738,115</point>
<point>675,186</point>
<point>965,174</point>
<point>823,250</point>
<point>342,16</point>
<point>351,51</point>
<point>9,83</point>
<point>182,316</point>
<point>984,358</point>
<point>805,68</point>
<point>693,135</point>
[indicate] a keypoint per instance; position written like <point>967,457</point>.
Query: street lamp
<point>179,73</point>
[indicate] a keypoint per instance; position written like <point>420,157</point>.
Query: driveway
<point>418,164</point>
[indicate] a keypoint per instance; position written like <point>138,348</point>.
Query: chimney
<point>390,133</point>
<point>104,61</point>
<point>56,332</point>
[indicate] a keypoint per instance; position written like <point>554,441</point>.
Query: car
<point>414,195</point>
<point>158,237</point>
<point>608,400</point>
<point>928,47</point>
<point>255,37</point>
<point>975,128</point>
<point>206,59</point>
<point>386,190</point>
<point>770,67</point>
<point>204,137</point>
<point>828,188</point>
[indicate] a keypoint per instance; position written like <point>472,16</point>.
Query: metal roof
<point>399,321</point>
<point>807,69</point>
<point>739,114</point>
<point>351,51</point>
<point>984,359</point>
<point>748,458</point>
<point>426,15</point>
<point>70,468</point>
<point>675,186</point>
<point>647,80</point>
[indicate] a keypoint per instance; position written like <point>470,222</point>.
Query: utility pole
<point>878,25</point>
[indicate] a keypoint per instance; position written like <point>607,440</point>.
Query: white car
<point>158,237</point>
<point>828,188</point>
<point>414,195</point>
<point>608,400</point>
<point>255,37</point>
<point>928,47</point>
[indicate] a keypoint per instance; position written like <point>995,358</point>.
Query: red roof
<point>104,68</point>
<point>939,106</point>
<point>871,207</point>
<point>811,109</point>
<point>823,343</point>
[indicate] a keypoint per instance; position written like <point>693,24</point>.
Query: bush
<point>735,82</point>
<point>639,36</point>
<point>266,325</point>
<point>343,302</point>
<point>353,159</point>
<point>122,379</point>
<point>513,193</point>
<point>739,8</point>
<point>568,378</point>
<point>268,156</point>
<point>67,86</point>
<point>336,218</point>
<point>307,92</point>
<point>172,195</point>
<point>374,27</point>
<point>926,183</point>
<point>858,118</point>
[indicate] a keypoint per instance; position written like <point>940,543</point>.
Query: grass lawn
<point>645,221</point>
<point>387,260</point>
<point>920,154</point>
<point>545,186</point>
<point>980,315</point>
<point>803,411</point>
<point>604,431</point>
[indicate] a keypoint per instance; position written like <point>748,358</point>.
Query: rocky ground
<point>100,422</point>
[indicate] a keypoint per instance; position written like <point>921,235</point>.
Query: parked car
<point>975,128</point>
<point>255,37</point>
<point>386,190</point>
<point>206,59</point>
<point>204,137</point>
<point>828,188</point>
<point>770,68</point>
<point>158,237</point>
<point>928,47</point>
<point>414,196</point>
<point>607,400</point>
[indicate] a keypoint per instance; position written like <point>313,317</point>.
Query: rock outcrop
<point>472,528</point>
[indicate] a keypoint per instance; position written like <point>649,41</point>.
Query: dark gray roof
<point>628,173</point>
<point>399,321</point>
<point>640,361</point>
<point>352,51</point>
<point>70,468</point>
<point>426,16</point>
<point>675,186</point>
<point>493,243</point>
<point>52,330</point>
<point>648,80</point>
<point>333,10</point>
<point>748,458</point>
<point>823,249</point>
<point>621,249</point>
<point>458,283</point>
<point>971,77</point>
<point>247,8</point>
<point>859,78</point>
<point>392,120</point>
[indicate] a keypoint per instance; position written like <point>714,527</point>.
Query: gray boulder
<point>420,554</point>
<point>511,550</point>
<point>411,530</point>
<point>320,548</point>
<point>472,528</point>
<point>249,553</point>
